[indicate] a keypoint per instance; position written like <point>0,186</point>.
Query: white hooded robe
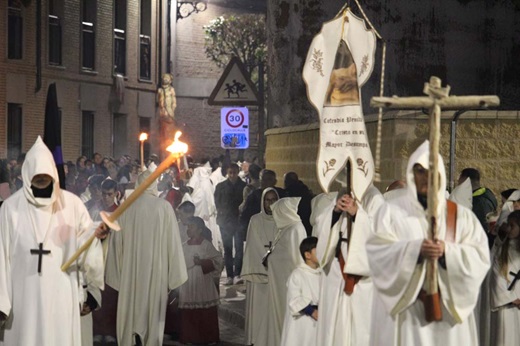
<point>44,309</point>
<point>148,254</point>
<point>204,200</point>
<point>505,331</point>
<point>285,257</point>
<point>398,275</point>
<point>343,319</point>
<point>261,231</point>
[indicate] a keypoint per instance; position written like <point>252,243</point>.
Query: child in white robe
<point>198,297</point>
<point>505,289</point>
<point>303,290</point>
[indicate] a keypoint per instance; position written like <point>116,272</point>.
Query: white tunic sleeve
<point>393,261</point>
<point>467,263</point>
<point>177,272</point>
<point>92,264</point>
<point>298,294</point>
<point>5,271</point>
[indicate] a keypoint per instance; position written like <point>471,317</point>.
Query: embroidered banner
<point>340,60</point>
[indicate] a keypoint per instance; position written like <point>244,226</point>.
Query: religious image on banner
<point>343,87</point>
<point>339,62</point>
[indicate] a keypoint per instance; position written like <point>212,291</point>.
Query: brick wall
<point>486,140</point>
<point>69,77</point>
<point>200,122</point>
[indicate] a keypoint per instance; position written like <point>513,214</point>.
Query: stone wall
<point>471,45</point>
<point>486,140</point>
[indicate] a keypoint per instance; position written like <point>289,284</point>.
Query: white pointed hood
<point>152,189</point>
<point>200,174</point>
<point>285,211</point>
<point>463,194</point>
<point>319,203</point>
<point>422,156</point>
<point>39,160</point>
<point>507,208</point>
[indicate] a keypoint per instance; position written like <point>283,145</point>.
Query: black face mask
<point>423,200</point>
<point>46,192</point>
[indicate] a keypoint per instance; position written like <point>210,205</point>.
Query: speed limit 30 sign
<point>234,128</point>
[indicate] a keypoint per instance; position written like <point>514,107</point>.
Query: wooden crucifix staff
<point>438,98</point>
<point>176,149</point>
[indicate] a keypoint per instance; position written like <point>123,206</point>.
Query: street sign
<point>234,128</point>
<point>234,88</point>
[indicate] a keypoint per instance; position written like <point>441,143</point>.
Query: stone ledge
<point>292,129</point>
<point>405,115</point>
<point>447,115</point>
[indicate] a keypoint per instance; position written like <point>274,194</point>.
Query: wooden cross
<point>516,277</point>
<point>437,99</point>
<point>40,252</point>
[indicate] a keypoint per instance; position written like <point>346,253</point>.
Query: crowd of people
<point>330,269</point>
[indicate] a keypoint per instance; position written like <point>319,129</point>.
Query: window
<point>88,34</point>
<point>145,126</point>
<point>145,40</point>
<point>87,133</point>
<point>55,14</point>
<point>14,130</point>
<point>14,29</point>
<point>120,37</point>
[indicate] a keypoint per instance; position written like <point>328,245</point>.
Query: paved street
<point>231,316</point>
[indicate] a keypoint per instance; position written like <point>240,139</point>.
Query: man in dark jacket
<point>228,197</point>
<point>294,187</point>
<point>484,200</point>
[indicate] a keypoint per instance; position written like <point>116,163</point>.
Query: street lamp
<point>186,8</point>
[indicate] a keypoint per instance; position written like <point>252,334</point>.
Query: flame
<point>143,136</point>
<point>178,147</point>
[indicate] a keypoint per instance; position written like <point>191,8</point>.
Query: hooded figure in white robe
<point>506,321</point>
<point>43,308</point>
<point>260,233</point>
<point>398,271</point>
<point>507,208</point>
<point>345,319</point>
<point>148,254</point>
<point>217,177</point>
<point>204,200</point>
<point>462,194</point>
<point>318,203</point>
<point>283,259</point>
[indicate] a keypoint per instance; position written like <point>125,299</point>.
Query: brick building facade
<point>75,46</point>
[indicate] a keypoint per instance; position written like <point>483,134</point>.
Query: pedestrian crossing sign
<point>234,88</point>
